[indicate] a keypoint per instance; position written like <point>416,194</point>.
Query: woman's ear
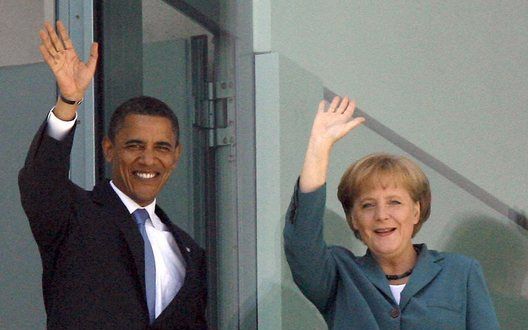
<point>416,213</point>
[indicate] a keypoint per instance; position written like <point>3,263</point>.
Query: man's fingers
<point>48,48</point>
<point>94,54</point>
<point>64,35</point>
<point>52,36</point>
<point>46,55</point>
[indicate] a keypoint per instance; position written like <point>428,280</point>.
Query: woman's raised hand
<point>73,76</point>
<point>334,121</point>
<point>331,123</point>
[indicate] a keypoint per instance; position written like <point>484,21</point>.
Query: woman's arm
<point>313,267</point>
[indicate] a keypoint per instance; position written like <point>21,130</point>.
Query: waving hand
<point>330,125</point>
<point>73,76</point>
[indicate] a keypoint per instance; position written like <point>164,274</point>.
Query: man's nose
<point>147,156</point>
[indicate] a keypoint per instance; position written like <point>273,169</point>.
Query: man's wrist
<point>70,101</point>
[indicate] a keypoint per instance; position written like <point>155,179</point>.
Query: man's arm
<point>43,181</point>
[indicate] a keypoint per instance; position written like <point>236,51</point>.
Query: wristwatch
<point>65,100</point>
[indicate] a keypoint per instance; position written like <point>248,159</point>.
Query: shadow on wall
<point>502,250</point>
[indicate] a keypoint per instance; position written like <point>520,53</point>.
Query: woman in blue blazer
<point>396,284</point>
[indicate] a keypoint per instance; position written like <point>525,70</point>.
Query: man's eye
<point>164,148</point>
<point>133,146</point>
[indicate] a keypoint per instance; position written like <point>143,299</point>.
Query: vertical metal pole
<point>77,15</point>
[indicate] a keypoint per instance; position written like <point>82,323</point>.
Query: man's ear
<point>108,149</point>
<point>177,154</point>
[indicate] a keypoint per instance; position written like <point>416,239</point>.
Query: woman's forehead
<point>382,181</point>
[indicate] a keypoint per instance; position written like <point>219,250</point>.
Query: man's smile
<point>144,175</point>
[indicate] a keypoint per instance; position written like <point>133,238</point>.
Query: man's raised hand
<point>73,76</point>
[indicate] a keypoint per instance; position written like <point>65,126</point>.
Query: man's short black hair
<point>142,105</point>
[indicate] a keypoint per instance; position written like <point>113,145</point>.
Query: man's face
<point>143,155</point>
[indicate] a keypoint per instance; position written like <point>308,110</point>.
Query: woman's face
<point>385,218</point>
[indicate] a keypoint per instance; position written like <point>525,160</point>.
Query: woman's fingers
<point>322,106</point>
<point>351,106</point>
<point>343,105</point>
<point>334,104</point>
<point>354,123</point>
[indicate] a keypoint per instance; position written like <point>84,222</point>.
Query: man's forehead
<point>145,127</point>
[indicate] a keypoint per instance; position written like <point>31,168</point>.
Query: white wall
<point>287,97</point>
<point>449,76</point>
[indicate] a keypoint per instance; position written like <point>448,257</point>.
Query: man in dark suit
<point>111,257</point>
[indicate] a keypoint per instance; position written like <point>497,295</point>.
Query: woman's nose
<point>381,212</point>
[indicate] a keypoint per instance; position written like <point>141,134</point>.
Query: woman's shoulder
<point>452,259</point>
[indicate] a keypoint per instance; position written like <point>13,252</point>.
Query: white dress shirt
<point>170,265</point>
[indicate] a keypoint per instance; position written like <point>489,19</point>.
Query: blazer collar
<point>374,274</point>
<point>426,269</point>
<point>118,214</point>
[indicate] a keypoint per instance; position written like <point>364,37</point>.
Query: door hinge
<point>220,111</point>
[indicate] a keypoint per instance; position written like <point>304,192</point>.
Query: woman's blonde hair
<point>382,170</point>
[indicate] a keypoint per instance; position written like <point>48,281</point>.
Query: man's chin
<point>143,199</point>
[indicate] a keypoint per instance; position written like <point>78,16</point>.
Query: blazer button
<point>394,313</point>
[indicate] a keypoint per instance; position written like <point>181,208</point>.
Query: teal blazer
<point>445,290</point>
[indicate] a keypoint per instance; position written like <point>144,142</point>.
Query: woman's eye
<point>367,205</point>
<point>395,202</point>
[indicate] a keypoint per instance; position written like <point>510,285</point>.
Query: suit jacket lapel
<point>103,194</point>
<point>426,269</point>
<point>375,275</point>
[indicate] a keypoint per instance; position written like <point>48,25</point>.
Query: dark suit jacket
<point>445,290</point>
<point>92,252</point>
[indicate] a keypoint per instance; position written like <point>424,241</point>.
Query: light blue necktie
<point>141,215</point>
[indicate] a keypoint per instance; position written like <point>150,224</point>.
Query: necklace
<point>399,276</point>
<point>407,273</point>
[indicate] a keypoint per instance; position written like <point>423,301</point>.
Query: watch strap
<point>65,100</point>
